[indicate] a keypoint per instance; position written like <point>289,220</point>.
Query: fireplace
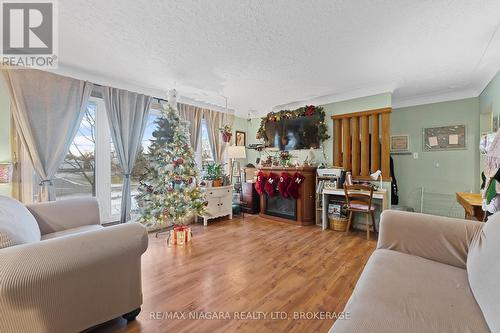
<point>281,207</point>
<point>298,212</point>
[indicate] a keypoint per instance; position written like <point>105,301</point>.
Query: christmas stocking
<point>261,181</point>
<point>283,184</point>
<point>293,187</point>
<point>270,186</point>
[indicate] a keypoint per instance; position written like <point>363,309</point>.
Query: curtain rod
<point>158,99</point>
<point>206,106</point>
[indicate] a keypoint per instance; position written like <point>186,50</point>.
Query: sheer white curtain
<point>127,114</point>
<point>47,110</point>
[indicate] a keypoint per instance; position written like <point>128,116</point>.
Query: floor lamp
<point>234,153</point>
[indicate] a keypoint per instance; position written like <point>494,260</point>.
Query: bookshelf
<point>319,197</point>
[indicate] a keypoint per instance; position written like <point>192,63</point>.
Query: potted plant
<point>218,175</point>
<point>226,132</point>
<point>285,158</point>
<point>214,173</point>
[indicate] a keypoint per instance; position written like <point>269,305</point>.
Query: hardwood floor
<point>248,265</point>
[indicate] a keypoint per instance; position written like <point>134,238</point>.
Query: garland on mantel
<point>306,111</point>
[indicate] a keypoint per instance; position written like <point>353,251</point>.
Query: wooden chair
<point>359,200</point>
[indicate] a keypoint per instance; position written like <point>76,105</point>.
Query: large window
<point>76,175</point>
<point>137,172</point>
<point>91,166</point>
<point>207,152</point>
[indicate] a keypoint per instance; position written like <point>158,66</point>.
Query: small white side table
<point>220,202</point>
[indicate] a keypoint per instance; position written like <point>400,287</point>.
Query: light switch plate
<point>415,156</point>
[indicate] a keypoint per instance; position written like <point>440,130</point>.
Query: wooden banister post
<point>356,153</point>
<point>365,146</point>
<point>386,146</point>
<point>346,144</point>
<point>337,144</point>
<point>375,157</point>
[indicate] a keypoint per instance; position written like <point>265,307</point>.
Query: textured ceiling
<point>263,54</point>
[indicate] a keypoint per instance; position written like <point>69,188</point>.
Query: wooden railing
<point>362,142</point>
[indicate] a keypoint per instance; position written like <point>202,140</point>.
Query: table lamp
<point>377,175</point>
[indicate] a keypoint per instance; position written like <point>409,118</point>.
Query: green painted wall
<point>253,126</point>
<point>489,100</point>
<point>5,151</point>
<point>440,173</point>
<point>241,125</point>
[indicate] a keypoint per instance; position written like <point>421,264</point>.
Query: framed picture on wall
<point>240,138</point>
<point>400,143</point>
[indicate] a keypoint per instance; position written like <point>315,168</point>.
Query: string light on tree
<point>169,191</point>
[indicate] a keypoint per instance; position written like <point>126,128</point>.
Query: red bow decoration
<point>309,110</point>
<point>181,228</point>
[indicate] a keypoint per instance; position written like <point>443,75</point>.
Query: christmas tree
<point>169,192</point>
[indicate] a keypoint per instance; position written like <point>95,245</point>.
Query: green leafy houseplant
<point>214,172</point>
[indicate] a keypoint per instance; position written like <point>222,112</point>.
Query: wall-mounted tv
<point>294,133</point>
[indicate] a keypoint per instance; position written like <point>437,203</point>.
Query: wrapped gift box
<point>180,235</point>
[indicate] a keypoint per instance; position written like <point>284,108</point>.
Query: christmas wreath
<point>306,111</point>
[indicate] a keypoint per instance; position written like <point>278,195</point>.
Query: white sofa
<point>61,271</point>
<point>428,274</point>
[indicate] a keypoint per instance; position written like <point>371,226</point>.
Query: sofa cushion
<point>483,269</point>
<point>17,225</point>
<point>398,292</point>
<point>72,231</point>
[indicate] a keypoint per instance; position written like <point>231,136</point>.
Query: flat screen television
<point>293,134</point>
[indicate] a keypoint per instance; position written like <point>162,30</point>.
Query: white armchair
<point>76,275</point>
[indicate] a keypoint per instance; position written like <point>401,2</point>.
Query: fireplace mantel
<point>305,214</point>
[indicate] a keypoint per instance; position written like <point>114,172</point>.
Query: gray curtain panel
<point>216,120</point>
<point>47,110</point>
<point>127,114</point>
<point>194,115</point>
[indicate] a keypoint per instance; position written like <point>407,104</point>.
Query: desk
<point>473,205</point>
<point>380,195</point>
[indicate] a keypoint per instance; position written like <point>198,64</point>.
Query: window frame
<point>102,163</point>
